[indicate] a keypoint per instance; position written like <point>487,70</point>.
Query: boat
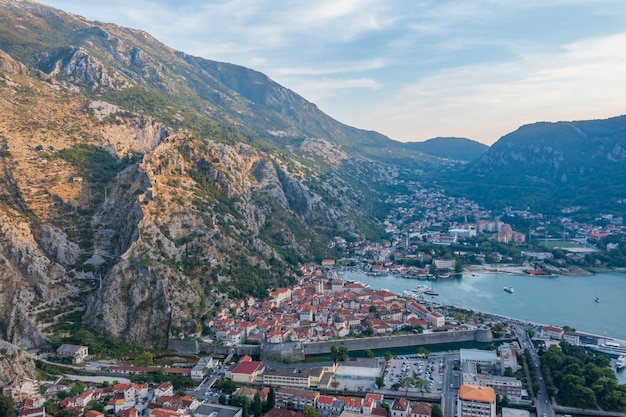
<point>597,300</point>
<point>431,291</point>
<point>509,289</point>
<point>609,348</point>
<point>621,362</point>
<point>421,289</point>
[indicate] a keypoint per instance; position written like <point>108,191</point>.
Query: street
<point>542,400</point>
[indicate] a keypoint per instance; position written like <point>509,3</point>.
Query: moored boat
<point>431,291</point>
<point>509,289</point>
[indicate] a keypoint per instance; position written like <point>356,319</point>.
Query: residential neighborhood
<point>319,308</point>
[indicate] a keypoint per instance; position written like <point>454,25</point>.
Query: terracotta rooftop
<point>477,394</point>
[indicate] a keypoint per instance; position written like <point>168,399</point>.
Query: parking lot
<point>426,374</point>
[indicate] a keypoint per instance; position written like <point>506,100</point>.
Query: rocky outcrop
<point>79,66</point>
<point>14,363</point>
<point>8,64</point>
<point>133,213</point>
<point>56,244</point>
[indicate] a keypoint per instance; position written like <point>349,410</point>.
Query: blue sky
<point>412,69</point>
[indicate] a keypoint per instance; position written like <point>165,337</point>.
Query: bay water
<point>555,300</point>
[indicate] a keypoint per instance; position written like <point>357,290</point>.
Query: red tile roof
<point>247,368</point>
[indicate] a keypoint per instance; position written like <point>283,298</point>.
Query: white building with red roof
<point>165,388</point>
<point>245,372</point>
<point>400,408</point>
<point>552,332</point>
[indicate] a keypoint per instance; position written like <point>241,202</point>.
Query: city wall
<point>192,347</point>
<point>300,350</point>
<point>395,341</point>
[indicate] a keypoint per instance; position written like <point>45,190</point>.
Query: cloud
<point>580,80</point>
<point>318,91</point>
<point>411,69</point>
<point>349,67</point>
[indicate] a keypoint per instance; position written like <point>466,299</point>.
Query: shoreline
<point>490,271</point>
<point>515,269</point>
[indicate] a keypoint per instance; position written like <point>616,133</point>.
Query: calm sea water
<point>558,301</point>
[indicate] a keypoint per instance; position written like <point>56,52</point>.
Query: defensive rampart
<point>300,350</point>
<point>396,341</point>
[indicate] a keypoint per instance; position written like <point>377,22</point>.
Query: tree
<point>310,411</point>
<point>78,388</point>
<point>343,353</point>
<point>226,385</point>
<point>372,309</point>
<point>222,399</point>
<point>7,406</point>
<point>422,351</point>
<point>388,356</point>
<point>61,395</point>
<point>241,401</point>
<point>420,384</point>
<point>97,405</point>
<point>271,398</point>
<point>256,408</point>
<point>380,382</point>
<point>406,383</point>
<point>369,353</point>
<point>436,411</point>
<point>458,266</point>
<point>144,358</point>
<point>530,333</point>
<point>338,353</point>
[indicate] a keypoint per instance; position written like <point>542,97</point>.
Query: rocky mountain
<point>461,149</point>
<point>14,363</point>
<point>549,166</point>
<point>140,186</point>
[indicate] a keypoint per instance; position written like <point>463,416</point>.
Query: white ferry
<point>621,362</point>
<point>610,348</point>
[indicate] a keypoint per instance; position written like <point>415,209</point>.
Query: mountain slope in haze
<point>460,149</point>
<point>141,187</point>
<point>129,68</point>
<point>548,166</point>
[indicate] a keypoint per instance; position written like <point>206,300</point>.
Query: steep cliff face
<point>119,223</point>
<point>14,363</point>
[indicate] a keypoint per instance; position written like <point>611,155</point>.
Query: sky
<point>409,69</point>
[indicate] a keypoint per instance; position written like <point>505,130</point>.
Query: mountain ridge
<point>133,205</point>
<point>142,188</point>
<point>549,166</point>
<point>462,149</point>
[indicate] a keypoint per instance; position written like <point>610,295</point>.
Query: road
<point>542,400</point>
<point>451,384</point>
<point>201,390</point>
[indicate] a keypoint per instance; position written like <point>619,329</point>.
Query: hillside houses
<point>318,308</point>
